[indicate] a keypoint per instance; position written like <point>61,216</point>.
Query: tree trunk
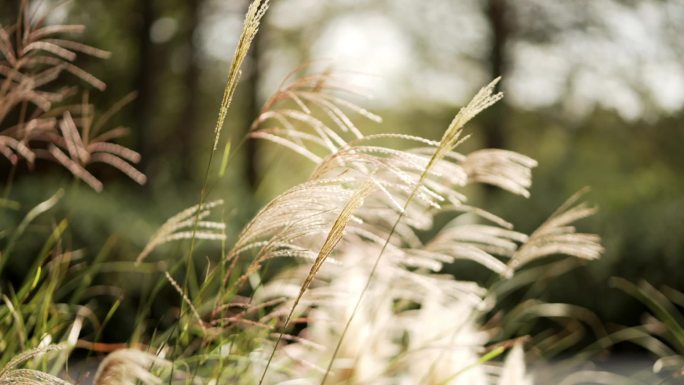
<point>144,82</point>
<point>187,123</point>
<point>252,110</point>
<point>10,12</point>
<point>497,13</point>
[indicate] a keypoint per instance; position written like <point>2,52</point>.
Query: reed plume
<point>129,367</point>
<point>10,374</point>
<point>36,118</point>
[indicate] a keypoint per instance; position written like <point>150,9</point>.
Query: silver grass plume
<point>255,13</point>
<point>476,242</point>
<point>514,372</point>
<point>333,238</point>
<point>507,170</point>
<point>187,224</point>
<point>557,235</point>
<point>52,130</point>
<point>288,117</point>
<point>75,150</point>
<point>294,224</point>
<point>129,367</point>
<point>11,375</point>
<point>484,98</point>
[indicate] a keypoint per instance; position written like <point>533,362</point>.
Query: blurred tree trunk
<point>144,81</point>
<point>184,132</point>
<point>252,109</point>
<point>10,12</point>
<point>497,17</point>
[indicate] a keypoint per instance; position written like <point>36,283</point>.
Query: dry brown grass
<point>38,117</point>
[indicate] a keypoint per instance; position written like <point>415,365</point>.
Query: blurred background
<point>594,90</point>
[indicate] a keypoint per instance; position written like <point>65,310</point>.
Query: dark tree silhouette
<point>252,108</point>
<point>186,125</point>
<point>144,81</point>
<point>497,13</point>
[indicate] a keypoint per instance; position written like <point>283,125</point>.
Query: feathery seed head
<point>129,367</point>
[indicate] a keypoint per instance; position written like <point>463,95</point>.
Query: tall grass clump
<point>661,332</point>
<point>378,310</point>
<point>46,115</point>
<point>363,298</point>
